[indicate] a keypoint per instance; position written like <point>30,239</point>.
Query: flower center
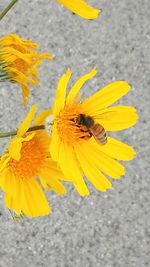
<point>33,156</point>
<point>68,126</point>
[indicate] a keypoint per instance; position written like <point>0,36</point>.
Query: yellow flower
<point>19,61</point>
<point>26,158</point>
<point>80,8</point>
<point>74,147</point>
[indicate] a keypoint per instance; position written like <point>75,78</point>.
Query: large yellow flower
<point>26,158</point>
<point>80,8</point>
<point>19,61</point>
<point>74,147</point>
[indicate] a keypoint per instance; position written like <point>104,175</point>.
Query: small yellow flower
<point>80,8</point>
<point>26,158</point>
<point>19,61</point>
<point>75,148</point>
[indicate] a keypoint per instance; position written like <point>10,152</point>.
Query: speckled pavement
<point>104,229</point>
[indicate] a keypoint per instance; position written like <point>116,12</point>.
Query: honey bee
<point>95,129</point>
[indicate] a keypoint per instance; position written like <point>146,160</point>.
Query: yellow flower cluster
<point>19,60</point>
<point>68,142</point>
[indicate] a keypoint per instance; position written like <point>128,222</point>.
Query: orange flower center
<point>33,156</point>
<point>68,127</point>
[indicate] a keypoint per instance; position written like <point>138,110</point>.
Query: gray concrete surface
<point>105,229</point>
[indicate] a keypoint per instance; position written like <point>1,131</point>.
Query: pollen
<point>67,127</point>
<point>33,156</point>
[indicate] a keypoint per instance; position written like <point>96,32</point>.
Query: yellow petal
<point>12,204</point>
<point>53,166</point>
<point>25,94</point>
<point>28,137</point>
<point>15,202</point>
<point>46,56</point>
<point>41,117</point>
<point>80,8</point>
<point>35,201</point>
<point>54,144</point>
<point>100,160</point>
<point>3,162</point>
<point>70,167</point>
<point>92,173</point>
<point>15,148</point>
<point>117,118</point>
<point>118,150</point>
<point>27,199</point>
<point>49,180</point>
<point>77,86</point>
<point>61,92</point>
<point>106,96</point>
<point>3,178</point>
<point>24,126</point>
<point>9,183</point>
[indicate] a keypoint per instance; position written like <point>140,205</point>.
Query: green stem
<point>2,135</point>
<point>4,12</point>
<point>12,133</point>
